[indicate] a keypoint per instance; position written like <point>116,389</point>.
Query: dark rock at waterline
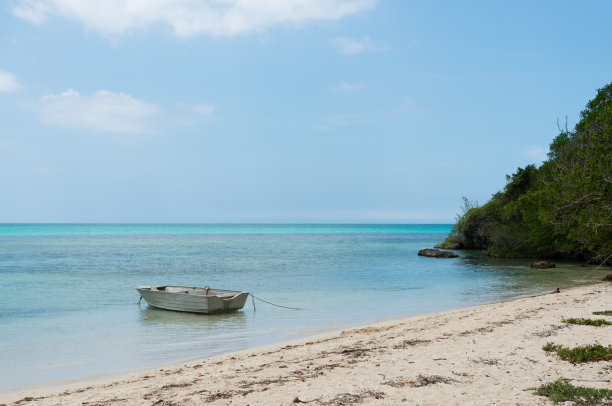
<point>542,265</point>
<point>436,253</point>
<point>608,277</point>
<point>449,246</point>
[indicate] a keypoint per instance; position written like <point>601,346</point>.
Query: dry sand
<point>489,354</point>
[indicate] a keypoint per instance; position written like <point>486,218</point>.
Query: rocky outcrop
<point>436,253</point>
<point>542,265</point>
<point>449,246</point>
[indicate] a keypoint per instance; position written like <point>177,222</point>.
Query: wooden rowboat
<point>191,299</point>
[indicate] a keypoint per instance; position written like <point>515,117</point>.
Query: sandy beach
<point>489,354</point>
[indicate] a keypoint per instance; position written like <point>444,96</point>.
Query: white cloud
<point>348,87</point>
<point>203,109</point>
<point>352,46</point>
<point>189,17</point>
<point>8,82</point>
<point>103,111</point>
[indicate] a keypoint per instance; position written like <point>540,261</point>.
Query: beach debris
<point>486,361</point>
<point>364,330</point>
<point>552,331</point>
<point>421,380</point>
<point>481,330</point>
<point>436,253</point>
<point>354,352</point>
<point>24,400</point>
<point>607,278</point>
<point>298,400</point>
<point>410,343</point>
<point>214,396</point>
<point>461,373</point>
<point>542,265</point>
<point>346,399</point>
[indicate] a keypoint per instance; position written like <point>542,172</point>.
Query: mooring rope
<point>273,304</point>
<point>596,268</point>
<point>604,261</point>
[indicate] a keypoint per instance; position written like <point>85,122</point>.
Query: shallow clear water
<point>68,308</point>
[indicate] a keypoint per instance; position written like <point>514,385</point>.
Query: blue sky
<point>283,110</point>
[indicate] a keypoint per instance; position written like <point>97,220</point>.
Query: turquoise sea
<point>68,308</point>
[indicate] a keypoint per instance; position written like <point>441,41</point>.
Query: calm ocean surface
<point>68,306</point>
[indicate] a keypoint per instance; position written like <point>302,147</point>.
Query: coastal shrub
<point>586,322</point>
<point>577,355</point>
<point>561,209</point>
<point>603,313</point>
<point>562,391</point>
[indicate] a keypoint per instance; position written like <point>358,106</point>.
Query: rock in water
<point>436,253</point>
<point>542,265</point>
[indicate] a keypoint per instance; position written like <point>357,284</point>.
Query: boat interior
<point>206,291</point>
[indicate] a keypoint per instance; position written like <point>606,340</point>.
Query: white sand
<point>490,354</point>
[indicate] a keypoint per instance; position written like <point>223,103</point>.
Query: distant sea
<point>69,312</point>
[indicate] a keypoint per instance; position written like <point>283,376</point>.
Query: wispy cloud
<point>8,82</point>
<point>353,46</point>
<point>203,109</point>
<point>103,111</point>
<point>344,120</point>
<point>535,153</point>
<point>349,88</point>
<point>189,17</point>
<point>408,107</point>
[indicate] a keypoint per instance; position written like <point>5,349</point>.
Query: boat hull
<point>193,300</point>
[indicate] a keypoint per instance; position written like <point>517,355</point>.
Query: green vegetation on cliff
<point>561,209</point>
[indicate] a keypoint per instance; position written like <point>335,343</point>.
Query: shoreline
<point>294,337</point>
<point>480,354</point>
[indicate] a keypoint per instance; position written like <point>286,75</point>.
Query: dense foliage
<point>561,209</point>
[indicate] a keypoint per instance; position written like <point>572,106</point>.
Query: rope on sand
<point>253,297</point>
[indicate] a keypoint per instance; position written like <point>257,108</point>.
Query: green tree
<point>563,208</point>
